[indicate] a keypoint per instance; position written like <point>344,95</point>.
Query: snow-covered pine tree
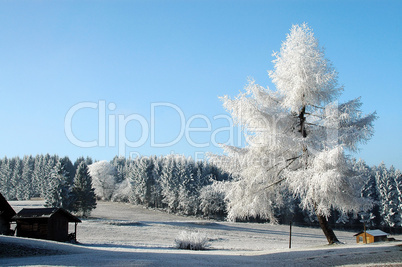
<point>186,193</point>
<point>59,189</point>
<point>49,162</point>
<point>398,182</point>
<point>25,186</point>
<point>139,179</point>
<point>369,190</point>
<point>37,175</point>
<point>120,163</point>
<point>391,202</point>
<point>5,177</point>
<point>156,188</point>
<point>170,184</point>
<point>381,176</point>
<point>297,137</point>
<point>15,177</point>
<point>83,194</point>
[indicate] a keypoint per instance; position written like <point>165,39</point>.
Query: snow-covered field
<point>125,235</point>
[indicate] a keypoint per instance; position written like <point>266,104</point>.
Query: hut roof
<point>376,232</point>
<point>44,213</point>
<point>6,210</point>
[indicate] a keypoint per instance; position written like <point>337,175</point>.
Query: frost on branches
<point>297,138</point>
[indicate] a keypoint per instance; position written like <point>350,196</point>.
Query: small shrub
<point>191,240</point>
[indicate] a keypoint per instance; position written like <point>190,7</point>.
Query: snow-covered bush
<point>191,240</point>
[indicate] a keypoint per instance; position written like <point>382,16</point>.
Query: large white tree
<point>103,178</point>
<point>297,137</point>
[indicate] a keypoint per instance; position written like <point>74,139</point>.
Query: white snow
<point>123,235</point>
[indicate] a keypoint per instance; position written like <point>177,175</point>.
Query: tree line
<point>61,183</point>
<point>172,183</point>
<point>181,185</point>
<point>382,185</point>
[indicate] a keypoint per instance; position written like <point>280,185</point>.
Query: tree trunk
<point>328,232</point>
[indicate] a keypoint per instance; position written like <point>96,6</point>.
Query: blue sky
<point>140,74</point>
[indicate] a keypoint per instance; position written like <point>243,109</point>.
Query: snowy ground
<point>124,235</point>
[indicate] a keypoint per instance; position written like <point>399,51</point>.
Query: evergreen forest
<point>180,185</point>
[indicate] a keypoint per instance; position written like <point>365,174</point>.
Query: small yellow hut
<point>371,236</point>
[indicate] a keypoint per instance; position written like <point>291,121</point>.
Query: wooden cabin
<point>46,223</point>
<point>371,236</point>
<point>6,213</point>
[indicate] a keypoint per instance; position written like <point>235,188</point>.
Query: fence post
<point>290,234</point>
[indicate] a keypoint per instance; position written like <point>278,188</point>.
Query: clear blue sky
<point>119,63</point>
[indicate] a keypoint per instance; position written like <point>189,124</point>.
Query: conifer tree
<point>83,194</point>
<point>5,177</point>
<point>17,169</point>
<point>391,202</point>
<point>37,175</point>
<point>49,163</point>
<point>170,184</point>
<point>59,192</point>
<point>25,186</point>
<point>369,190</point>
<point>398,182</point>
<point>156,188</point>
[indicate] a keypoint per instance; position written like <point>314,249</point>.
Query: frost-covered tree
<point>381,176</point>
<point>15,177</point>
<point>187,193</point>
<point>120,163</point>
<point>389,195</point>
<point>141,180</point>
<point>5,177</point>
<point>297,137</point>
<point>212,200</point>
<point>24,186</point>
<point>37,175</point>
<point>83,195</point>
<point>170,184</point>
<point>104,179</point>
<point>398,182</point>
<point>369,190</point>
<point>156,188</point>
<point>59,192</point>
<point>49,163</point>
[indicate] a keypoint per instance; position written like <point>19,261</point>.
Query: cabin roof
<point>376,232</point>
<point>6,210</point>
<point>45,213</point>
